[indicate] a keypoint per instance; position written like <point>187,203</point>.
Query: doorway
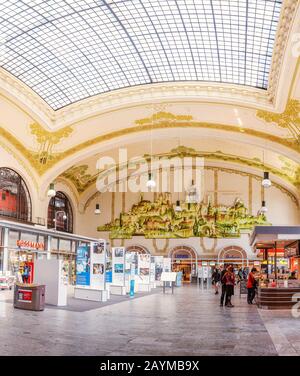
<point>184,260</point>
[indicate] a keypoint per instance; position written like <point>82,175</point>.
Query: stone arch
<point>138,249</point>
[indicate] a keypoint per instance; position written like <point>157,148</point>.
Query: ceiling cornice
<point>44,162</point>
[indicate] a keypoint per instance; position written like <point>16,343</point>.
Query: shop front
<point>21,245</point>
<point>279,246</point>
<point>292,253</point>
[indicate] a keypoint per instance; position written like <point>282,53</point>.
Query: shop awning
<point>267,237</point>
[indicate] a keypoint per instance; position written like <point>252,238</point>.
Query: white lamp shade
<point>178,207</point>
<point>266,183</point>
<point>51,191</point>
<point>263,209</point>
<point>150,183</point>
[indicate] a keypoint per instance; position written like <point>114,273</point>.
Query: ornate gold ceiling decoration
<point>163,116</point>
<point>20,161</point>
<point>44,157</point>
<point>289,119</point>
<point>47,140</point>
<point>290,171</point>
<point>79,177</point>
<point>183,151</point>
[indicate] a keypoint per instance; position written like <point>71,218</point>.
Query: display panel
<point>118,266</point>
<point>98,264</point>
<point>83,265</point>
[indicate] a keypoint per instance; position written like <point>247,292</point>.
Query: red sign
<point>29,244</point>
<point>25,296</point>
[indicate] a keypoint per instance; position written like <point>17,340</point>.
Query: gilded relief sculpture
<point>160,220</point>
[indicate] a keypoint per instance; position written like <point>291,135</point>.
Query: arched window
<point>60,215</point>
<point>15,201</point>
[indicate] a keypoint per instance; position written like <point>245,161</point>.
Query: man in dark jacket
<point>216,276</point>
<point>223,283</point>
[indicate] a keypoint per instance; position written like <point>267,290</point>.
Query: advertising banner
<point>83,265</point>
<point>98,263</point>
<point>144,268</point>
<point>118,266</point>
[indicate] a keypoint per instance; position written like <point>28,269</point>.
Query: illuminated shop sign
<point>292,250</point>
<point>29,244</point>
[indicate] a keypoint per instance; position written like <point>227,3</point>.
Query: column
<point>48,247</point>
<point>5,249</point>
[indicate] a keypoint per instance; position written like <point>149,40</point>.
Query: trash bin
<point>29,296</point>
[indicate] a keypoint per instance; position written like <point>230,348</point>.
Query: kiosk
<point>275,291</point>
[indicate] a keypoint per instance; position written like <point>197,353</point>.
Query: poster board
<point>118,266</point>
<point>159,265</point>
<point>167,264</point>
<point>144,261</point>
<point>168,276</point>
<point>152,269</point>
<point>98,264</point>
<point>83,265</point>
<point>108,267</point>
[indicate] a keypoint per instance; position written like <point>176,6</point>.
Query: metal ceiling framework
<point>70,50</point>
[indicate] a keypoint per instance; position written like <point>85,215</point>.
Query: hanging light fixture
<point>51,191</point>
<point>151,182</point>
<point>266,183</point>
<point>97,209</point>
<point>178,207</point>
<point>263,209</point>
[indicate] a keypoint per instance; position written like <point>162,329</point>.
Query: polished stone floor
<point>190,322</point>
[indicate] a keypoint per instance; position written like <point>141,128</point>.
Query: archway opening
<point>60,214</point>
<point>233,255</point>
<point>15,201</point>
<point>137,249</point>
<point>184,260</point>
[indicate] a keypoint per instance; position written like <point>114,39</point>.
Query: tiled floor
<point>190,322</point>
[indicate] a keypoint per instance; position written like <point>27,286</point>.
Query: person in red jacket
<point>251,285</point>
<point>229,282</point>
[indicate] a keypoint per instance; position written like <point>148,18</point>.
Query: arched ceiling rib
<point>70,50</point>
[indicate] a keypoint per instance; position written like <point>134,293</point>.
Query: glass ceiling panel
<point>70,50</point>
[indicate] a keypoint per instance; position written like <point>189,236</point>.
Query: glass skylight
<point>70,50</point>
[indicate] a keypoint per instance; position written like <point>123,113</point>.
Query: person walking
<point>216,276</point>
<point>223,284</point>
<point>251,286</point>
<point>229,282</point>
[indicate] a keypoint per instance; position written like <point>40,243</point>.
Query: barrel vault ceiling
<point>142,73</point>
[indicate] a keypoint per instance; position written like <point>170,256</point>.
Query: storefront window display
<point>23,245</point>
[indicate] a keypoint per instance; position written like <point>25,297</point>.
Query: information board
<point>144,268</point>
<point>118,266</point>
<point>98,264</point>
<point>83,265</point>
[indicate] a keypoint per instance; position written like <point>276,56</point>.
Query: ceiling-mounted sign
<point>30,244</point>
